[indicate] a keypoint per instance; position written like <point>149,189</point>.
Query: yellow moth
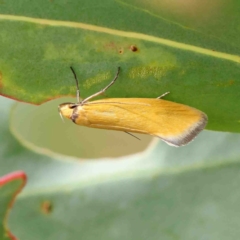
<point>174,123</point>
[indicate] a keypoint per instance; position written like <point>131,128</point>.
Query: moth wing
<point>174,123</point>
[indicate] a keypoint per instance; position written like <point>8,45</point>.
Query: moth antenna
<point>77,86</point>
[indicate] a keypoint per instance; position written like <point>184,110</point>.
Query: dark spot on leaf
<point>133,48</point>
<point>46,207</point>
<point>121,51</point>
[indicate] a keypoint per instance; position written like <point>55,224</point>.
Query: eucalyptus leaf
<point>190,50</point>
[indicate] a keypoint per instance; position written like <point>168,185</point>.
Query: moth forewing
<point>175,123</point>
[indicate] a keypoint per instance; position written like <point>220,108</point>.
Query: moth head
<point>66,110</point>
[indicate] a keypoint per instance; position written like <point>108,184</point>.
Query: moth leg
<point>132,135</point>
<point>104,89</point>
<point>163,95</point>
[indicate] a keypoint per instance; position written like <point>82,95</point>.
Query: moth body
<point>174,123</point>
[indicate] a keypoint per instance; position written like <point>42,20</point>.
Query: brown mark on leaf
<point>120,51</point>
<point>133,48</point>
<point>46,207</point>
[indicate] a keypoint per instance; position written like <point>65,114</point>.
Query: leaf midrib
<point>140,36</point>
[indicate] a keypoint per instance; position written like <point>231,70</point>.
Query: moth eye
<point>72,106</point>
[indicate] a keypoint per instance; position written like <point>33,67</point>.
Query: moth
<point>174,123</point>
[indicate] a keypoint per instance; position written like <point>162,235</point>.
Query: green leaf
<point>164,193</point>
<point>10,186</point>
<point>188,49</point>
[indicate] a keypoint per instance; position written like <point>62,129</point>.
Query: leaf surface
<point>190,49</point>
